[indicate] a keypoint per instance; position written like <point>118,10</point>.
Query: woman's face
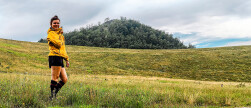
<point>55,24</point>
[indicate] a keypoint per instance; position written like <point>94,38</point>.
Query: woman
<point>57,54</point>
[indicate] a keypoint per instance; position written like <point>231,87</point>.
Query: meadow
<point>210,64</point>
<point>23,90</point>
<point>109,77</point>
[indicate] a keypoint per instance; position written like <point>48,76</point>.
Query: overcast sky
<point>203,23</point>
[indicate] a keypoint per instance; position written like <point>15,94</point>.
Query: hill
<point>217,64</point>
<point>123,33</point>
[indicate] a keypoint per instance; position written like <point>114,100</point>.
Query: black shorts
<point>56,61</point>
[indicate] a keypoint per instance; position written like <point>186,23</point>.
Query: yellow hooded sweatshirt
<point>56,43</point>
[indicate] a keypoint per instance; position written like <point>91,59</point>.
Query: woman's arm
<point>52,39</point>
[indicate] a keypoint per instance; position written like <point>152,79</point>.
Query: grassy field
<point>108,77</point>
<point>23,90</point>
<point>209,64</point>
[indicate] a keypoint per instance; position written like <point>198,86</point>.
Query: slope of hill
<point>218,64</point>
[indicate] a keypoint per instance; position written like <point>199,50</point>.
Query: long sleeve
<point>53,40</point>
<point>66,57</point>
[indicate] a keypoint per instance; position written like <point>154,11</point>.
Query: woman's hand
<point>67,64</point>
<point>61,31</point>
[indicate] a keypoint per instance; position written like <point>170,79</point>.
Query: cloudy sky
<point>203,23</point>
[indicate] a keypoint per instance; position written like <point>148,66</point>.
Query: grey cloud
<point>189,11</point>
<point>72,12</point>
<point>23,19</point>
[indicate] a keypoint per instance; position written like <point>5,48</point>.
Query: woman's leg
<point>55,72</point>
<point>63,77</point>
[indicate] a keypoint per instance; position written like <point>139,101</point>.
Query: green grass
<point>19,90</point>
<point>210,64</point>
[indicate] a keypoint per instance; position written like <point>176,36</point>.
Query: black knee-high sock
<point>59,86</point>
<point>53,86</point>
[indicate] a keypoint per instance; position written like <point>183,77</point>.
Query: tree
<point>190,46</point>
<point>107,19</point>
<point>43,40</point>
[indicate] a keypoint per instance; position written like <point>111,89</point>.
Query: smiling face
<point>55,24</point>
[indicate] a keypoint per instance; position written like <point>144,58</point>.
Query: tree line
<point>122,33</point>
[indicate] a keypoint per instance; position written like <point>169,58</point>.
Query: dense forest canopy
<point>123,33</point>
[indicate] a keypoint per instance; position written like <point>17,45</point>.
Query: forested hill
<point>123,33</point>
